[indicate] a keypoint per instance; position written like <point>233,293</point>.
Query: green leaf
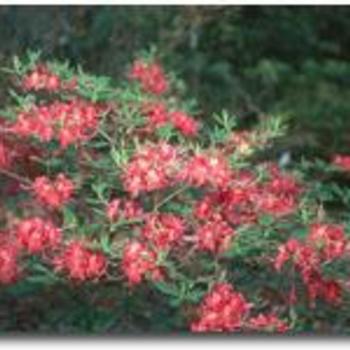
<point>167,289</point>
<point>69,218</point>
<point>166,132</point>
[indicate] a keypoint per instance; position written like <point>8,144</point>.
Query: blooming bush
<point>165,221</point>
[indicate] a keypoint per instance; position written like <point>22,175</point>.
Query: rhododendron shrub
<point>158,219</point>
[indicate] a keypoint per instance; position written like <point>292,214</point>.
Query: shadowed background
<point>286,60</point>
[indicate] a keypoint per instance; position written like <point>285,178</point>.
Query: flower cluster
<point>163,230</point>
<point>36,235</point>
<point>184,123</point>
<point>119,208</point>
<point>68,122</point>
<point>342,162</point>
<point>236,204</point>
<point>156,113</point>
<point>269,322</point>
<point>222,310</point>
<point>41,78</point>
<point>202,169</point>
<point>80,262</point>
<point>5,159</point>
<point>9,268</point>
<point>324,243</point>
<point>151,168</point>
<point>278,197</point>
<point>215,236</point>
<point>151,77</point>
<point>329,239</point>
<point>140,262</point>
<point>157,116</point>
<point>53,193</point>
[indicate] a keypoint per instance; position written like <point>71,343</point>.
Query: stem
<point>106,136</point>
<point>169,197</point>
<point>15,176</point>
<point>127,222</point>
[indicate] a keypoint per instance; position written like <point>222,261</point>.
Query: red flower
<point>279,196</point>
<point>285,252</point>
<point>151,77</point>
<point>151,168</point>
<point>126,209</point>
<point>36,235</point>
<point>68,122</point>
<point>80,262</point>
<point>236,203</point>
<point>222,310</point>
<point>202,169</point>
<point>342,162</point>
<point>163,230</point>
<point>303,256</point>
<point>139,262</point>
<point>9,269</point>
<point>112,210</point>
<point>156,114</point>
<point>53,193</point>
<point>41,78</point>
<point>186,124</point>
<point>5,158</point>
<point>330,239</point>
<point>205,208</point>
<point>332,291</point>
<point>36,122</point>
<point>276,204</point>
<point>214,236</point>
<point>268,323</point>
<point>308,263</point>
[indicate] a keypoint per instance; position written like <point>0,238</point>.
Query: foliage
<point>132,216</point>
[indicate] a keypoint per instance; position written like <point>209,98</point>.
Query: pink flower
<point>68,122</point>
<point>121,208</point>
<point>221,310</point>
<point>36,235</point>
<point>163,230</point>
<point>329,239</point>
<point>112,210</point>
<point>215,236</point>
<point>5,156</point>
<point>202,169</point>
<point>151,168</point>
<point>9,269</point>
<point>184,123</point>
<point>80,262</point>
<point>151,77</point>
<point>156,113</point>
<point>41,78</point>
<point>140,262</point>
<point>53,193</point>
<point>332,291</point>
<point>342,162</point>
<point>278,197</point>
<point>268,323</point>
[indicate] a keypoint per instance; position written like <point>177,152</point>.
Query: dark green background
<point>251,60</point>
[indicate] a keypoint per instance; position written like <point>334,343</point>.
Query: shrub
<point>163,223</point>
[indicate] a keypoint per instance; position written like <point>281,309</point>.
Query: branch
<point>15,176</point>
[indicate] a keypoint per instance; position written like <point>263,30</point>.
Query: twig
<point>168,198</point>
<point>15,176</point>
